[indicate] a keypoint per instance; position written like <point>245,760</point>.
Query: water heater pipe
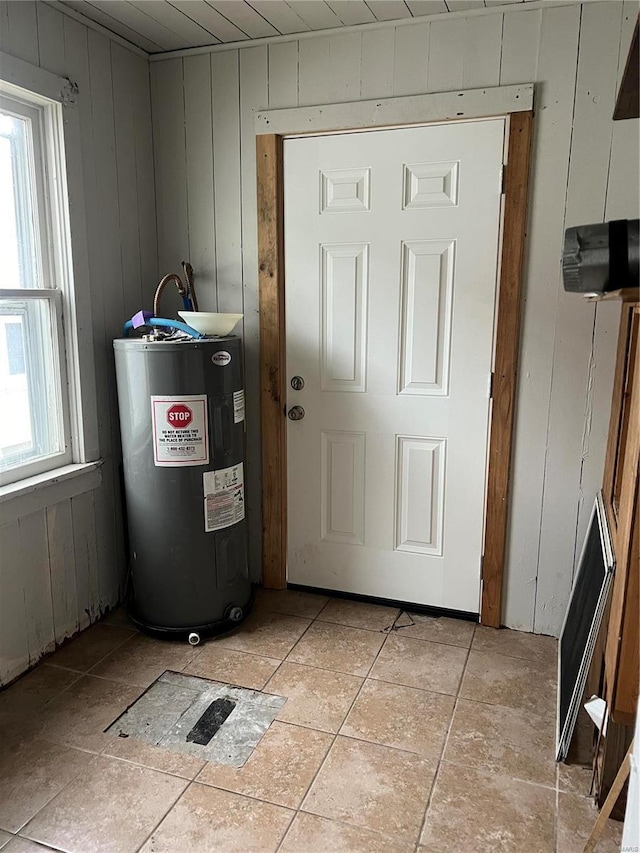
<point>162,323</point>
<point>172,276</point>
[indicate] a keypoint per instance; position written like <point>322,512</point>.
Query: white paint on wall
<point>584,170</point>
<point>61,566</point>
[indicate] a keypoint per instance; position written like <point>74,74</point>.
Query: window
<point>35,431</point>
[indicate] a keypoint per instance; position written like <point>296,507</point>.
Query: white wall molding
<point>25,75</point>
<point>387,112</point>
<point>37,493</point>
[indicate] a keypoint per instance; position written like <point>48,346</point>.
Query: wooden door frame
<point>271,131</point>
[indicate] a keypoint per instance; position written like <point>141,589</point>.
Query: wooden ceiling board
<point>463,5</point>
<point>175,20</point>
<point>245,18</point>
<point>156,26</point>
<point>315,13</point>
<point>352,12</point>
<point>112,24</point>
<point>280,16</point>
<point>209,18</point>
<point>426,7</point>
<point>140,23</point>
<point>388,10</point>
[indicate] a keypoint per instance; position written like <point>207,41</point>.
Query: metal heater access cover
<point>195,716</point>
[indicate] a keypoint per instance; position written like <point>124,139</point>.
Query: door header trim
<point>355,115</point>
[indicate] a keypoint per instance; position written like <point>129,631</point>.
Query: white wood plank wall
<point>62,566</point>
<point>585,169</point>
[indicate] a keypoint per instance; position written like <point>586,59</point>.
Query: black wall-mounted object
<point>600,258</point>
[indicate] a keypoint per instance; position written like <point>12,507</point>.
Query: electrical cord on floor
<point>395,627</point>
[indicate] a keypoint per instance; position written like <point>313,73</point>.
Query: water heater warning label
<point>238,406</point>
<point>223,497</point>
<point>180,435</point>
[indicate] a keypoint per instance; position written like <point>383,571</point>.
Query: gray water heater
<point>181,408</point>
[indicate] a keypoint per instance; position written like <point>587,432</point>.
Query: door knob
<point>295,413</point>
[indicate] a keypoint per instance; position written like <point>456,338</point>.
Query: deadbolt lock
<point>297,383</point>
<point>295,413</point>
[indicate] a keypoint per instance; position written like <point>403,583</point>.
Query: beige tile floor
<point>430,737</point>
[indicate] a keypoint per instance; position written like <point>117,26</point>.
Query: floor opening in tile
<point>210,721</point>
<point>195,716</point>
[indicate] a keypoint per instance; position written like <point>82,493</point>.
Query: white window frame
<point>68,271</point>
<point>58,369</point>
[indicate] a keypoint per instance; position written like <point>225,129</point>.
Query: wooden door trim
<point>273,395</point>
<point>269,148</point>
<point>505,366</point>
<point>614,439</point>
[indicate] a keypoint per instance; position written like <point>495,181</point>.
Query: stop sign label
<point>180,430</point>
<point>179,416</point>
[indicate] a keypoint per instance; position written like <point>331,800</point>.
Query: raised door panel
<point>427,298</point>
<point>344,279</point>
<point>420,479</point>
<point>430,185</point>
<point>342,485</point>
<point>345,190</point>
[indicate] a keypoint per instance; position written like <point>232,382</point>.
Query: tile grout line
<point>48,661</point>
<point>26,837</point>
<point>64,689</point>
<point>334,671</point>
<point>368,675</point>
<point>252,797</point>
<point>93,755</point>
<point>194,780</point>
<point>134,634</point>
<point>483,769</point>
<point>83,673</point>
<point>124,760</point>
<point>311,620</point>
<point>284,659</point>
<point>388,632</point>
<point>444,745</point>
<point>335,736</point>
<point>18,832</point>
<point>104,678</point>
<point>165,815</point>
<point>530,660</point>
<point>557,810</point>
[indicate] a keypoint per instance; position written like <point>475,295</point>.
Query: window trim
<point>24,108</point>
<point>70,269</point>
<point>64,456</point>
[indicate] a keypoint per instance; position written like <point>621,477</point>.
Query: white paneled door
<point>391,248</point>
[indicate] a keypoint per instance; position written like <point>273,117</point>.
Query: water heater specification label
<point>223,497</point>
<point>180,435</point>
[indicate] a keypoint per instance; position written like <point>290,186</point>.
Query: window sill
<point>36,493</point>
